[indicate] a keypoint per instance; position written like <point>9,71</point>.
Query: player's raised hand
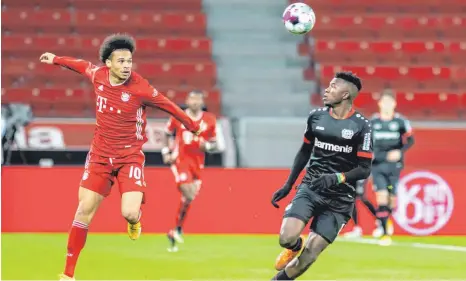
<point>47,58</point>
<point>280,194</point>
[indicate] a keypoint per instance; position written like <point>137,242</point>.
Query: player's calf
<point>89,202</point>
<point>314,246</point>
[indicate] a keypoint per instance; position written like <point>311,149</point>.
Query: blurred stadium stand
<point>255,73</point>
<point>173,50</point>
<point>415,47</point>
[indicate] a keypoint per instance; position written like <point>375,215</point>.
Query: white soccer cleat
<point>173,249</point>
<point>64,277</point>
<point>378,231</point>
<point>178,237</point>
<point>355,233</point>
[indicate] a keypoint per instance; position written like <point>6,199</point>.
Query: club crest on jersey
<point>125,96</point>
<point>378,126</point>
<point>393,126</point>
<point>347,134</point>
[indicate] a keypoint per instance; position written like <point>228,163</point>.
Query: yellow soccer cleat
<point>385,241</point>
<point>64,277</point>
<point>134,230</point>
<point>286,256</point>
<point>390,227</point>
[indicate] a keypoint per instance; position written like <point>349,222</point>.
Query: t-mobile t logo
<point>101,103</point>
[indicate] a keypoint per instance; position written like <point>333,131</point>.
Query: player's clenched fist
<point>280,194</point>
<point>47,58</point>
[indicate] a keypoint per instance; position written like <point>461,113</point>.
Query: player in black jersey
<point>392,136</point>
<point>338,142</point>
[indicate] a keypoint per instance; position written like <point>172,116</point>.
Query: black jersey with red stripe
<point>339,144</point>
<point>389,135</point>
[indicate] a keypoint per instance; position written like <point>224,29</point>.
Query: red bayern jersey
<point>188,145</point>
<point>121,109</point>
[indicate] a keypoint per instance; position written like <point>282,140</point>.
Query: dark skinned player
<point>338,145</point>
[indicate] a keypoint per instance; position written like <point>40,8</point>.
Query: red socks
<point>76,241</point>
<point>182,212</point>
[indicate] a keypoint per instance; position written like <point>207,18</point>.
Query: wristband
<point>165,150</point>
<point>341,177</point>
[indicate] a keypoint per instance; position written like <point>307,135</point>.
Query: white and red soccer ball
<point>299,18</point>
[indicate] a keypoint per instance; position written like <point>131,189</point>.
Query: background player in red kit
<point>115,155</point>
<point>187,157</point>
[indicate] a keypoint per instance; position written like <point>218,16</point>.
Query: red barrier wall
<point>230,201</point>
<point>437,148</point>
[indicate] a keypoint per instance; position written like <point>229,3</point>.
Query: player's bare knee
<point>188,191</point>
<point>130,214</point>
<point>287,240</point>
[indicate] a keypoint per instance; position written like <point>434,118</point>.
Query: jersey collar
<point>348,115</point>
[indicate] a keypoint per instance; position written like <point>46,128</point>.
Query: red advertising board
<point>432,202</point>
<point>434,147</point>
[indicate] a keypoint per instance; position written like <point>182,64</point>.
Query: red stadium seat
<point>142,5</point>
<point>173,51</point>
<point>395,6</point>
<point>31,46</point>
<point>27,20</point>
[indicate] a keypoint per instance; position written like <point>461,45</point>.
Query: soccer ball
<point>299,18</point>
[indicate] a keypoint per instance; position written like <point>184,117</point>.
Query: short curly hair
<point>116,42</point>
<point>350,77</point>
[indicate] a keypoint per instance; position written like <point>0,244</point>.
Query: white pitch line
<point>406,244</point>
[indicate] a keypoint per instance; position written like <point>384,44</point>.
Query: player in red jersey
<point>187,157</point>
<point>116,154</point>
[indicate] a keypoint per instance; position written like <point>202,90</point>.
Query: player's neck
<point>387,115</point>
<point>341,111</point>
<point>115,80</point>
<point>196,115</point>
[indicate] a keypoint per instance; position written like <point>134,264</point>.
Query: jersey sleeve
<point>212,130</point>
<point>170,127</point>
<point>308,134</point>
<point>80,66</point>
<point>405,128</point>
<point>152,98</point>
<point>365,149</point>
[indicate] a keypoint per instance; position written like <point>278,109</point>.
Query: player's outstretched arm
<point>80,66</point>
<point>156,99</point>
<point>300,161</point>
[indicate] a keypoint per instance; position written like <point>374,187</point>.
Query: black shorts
<point>385,176</point>
<point>330,215</point>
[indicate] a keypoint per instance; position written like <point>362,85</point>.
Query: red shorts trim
<point>101,173</point>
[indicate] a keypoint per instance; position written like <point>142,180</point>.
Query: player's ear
<point>108,63</point>
<point>346,95</point>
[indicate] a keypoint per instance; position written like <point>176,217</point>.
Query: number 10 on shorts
<point>135,172</point>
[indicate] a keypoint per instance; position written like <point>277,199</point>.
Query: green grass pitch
<point>232,257</point>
